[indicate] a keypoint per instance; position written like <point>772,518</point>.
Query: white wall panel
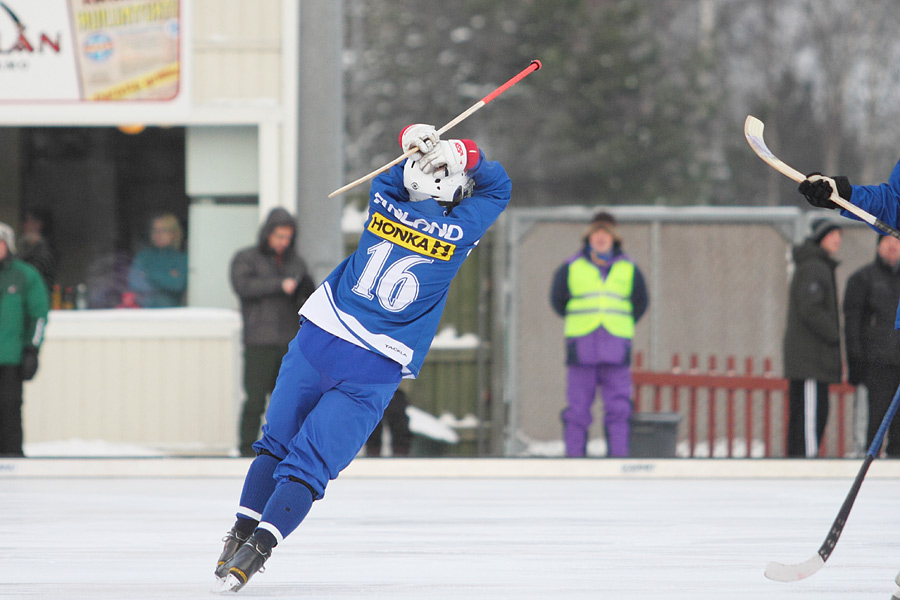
<point>167,379</point>
<point>237,50</point>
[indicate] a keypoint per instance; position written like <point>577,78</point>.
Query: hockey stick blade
<point>788,573</point>
<point>753,131</point>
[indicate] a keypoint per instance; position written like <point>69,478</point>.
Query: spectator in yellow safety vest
<point>601,294</point>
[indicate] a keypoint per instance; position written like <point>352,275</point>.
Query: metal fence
<point>718,281</point>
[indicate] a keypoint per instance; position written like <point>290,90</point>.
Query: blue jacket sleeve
<point>639,297</point>
<point>559,290</point>
<point>493,190</point>
<point>882,200</point>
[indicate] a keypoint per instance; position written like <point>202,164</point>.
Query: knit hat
<point>9,236</point>
<point>821,228</point>
<point>603,220</point>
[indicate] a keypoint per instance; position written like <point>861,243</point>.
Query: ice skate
<point>233,540</point>
<point>248,561</point>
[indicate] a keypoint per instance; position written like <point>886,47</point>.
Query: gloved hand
<point>456,155</point>
<point>29,365</point>
<point>424,137</point>
<point>818,189</point>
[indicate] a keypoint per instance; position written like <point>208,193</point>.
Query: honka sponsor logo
<point>446,231</point>
<point>410,238</point>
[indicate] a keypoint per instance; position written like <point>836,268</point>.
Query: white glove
<point>424,137</point>
<point>447,153</point>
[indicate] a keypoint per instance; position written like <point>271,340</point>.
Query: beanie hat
<point>822,228</point>
<point>9,236</point>
<point>603,220</point>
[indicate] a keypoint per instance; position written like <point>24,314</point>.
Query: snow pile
<point>448,339</point>
<point>88,448</point>
<point>427,425</point>
<point>353,218</point>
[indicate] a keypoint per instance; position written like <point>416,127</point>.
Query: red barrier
<point>715,395</point>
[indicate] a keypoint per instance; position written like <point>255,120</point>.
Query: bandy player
<point>365,328</point>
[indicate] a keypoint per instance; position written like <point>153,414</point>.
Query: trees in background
<point>639,102</point>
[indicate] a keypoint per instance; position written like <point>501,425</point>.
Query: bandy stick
<point>533,66</point>
<point>753,131</point>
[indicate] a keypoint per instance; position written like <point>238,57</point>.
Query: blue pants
<point>316,423</point>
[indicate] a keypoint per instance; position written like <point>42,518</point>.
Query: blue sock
<point>286,509</point>
<point>258,486</point>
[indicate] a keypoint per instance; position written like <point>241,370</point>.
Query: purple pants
<point>614,382</point>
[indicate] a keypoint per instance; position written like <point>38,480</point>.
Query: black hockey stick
<point>781,572</point>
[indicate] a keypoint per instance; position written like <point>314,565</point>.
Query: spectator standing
<point>873,345</point>
<point>812,338</point>
<point>272,283</point>
<point>158,274</point>
<point>601,294</point>
<point>397,422</point>
<point>24,303</point>
<point>35,244</point>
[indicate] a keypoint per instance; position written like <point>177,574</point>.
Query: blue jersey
<point>881,201</point>
<point>388,296</point>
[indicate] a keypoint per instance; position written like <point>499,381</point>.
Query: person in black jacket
<point>272,282</point>
<point>812,338</point>
<point>873,345</point>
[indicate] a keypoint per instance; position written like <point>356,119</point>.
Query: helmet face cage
<point>446,190</point>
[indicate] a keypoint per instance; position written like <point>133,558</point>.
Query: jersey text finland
<point>389,294</point>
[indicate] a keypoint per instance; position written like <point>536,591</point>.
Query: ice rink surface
<point>113,538</point>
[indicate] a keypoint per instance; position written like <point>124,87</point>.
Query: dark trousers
<point>10,411</point>
<point>807,416</point>
<point>261,364</point>
<point>398,424</point>
<point>882,382</point>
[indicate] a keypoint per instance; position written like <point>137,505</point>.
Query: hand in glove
<point>423,137</point>
<point>29,365</point>
<point>818,189</point>
<point>454,155</point>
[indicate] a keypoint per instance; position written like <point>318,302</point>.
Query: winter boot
<point>233,540</point>
<point>248,561</point>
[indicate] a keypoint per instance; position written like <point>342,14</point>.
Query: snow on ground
<point>397,538</point>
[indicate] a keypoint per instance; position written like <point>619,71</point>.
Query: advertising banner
<point>90,50</point>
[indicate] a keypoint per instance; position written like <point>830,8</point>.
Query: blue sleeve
<point>640,299</point>
<point>882,201</point>
<point>493,190</point>
<point>559,290</point>
<point>137,275</point>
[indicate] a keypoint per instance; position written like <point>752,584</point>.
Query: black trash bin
<point>654,435</point>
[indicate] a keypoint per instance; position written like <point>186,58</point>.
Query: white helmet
<point>448,190</point>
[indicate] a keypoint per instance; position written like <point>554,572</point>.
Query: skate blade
<point>229,583</point>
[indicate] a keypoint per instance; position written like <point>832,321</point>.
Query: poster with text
<point>90,50</point>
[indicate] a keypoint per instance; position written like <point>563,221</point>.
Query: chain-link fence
<point>718,283</point>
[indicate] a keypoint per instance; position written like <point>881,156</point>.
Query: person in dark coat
<point>272,283</point>
<point>873,345</point>
<point>36,245</point>
<point>397,422</point>
<point>812,338</point>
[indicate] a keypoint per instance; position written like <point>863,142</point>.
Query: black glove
<point>29,364</point>
<point>818,192</point>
